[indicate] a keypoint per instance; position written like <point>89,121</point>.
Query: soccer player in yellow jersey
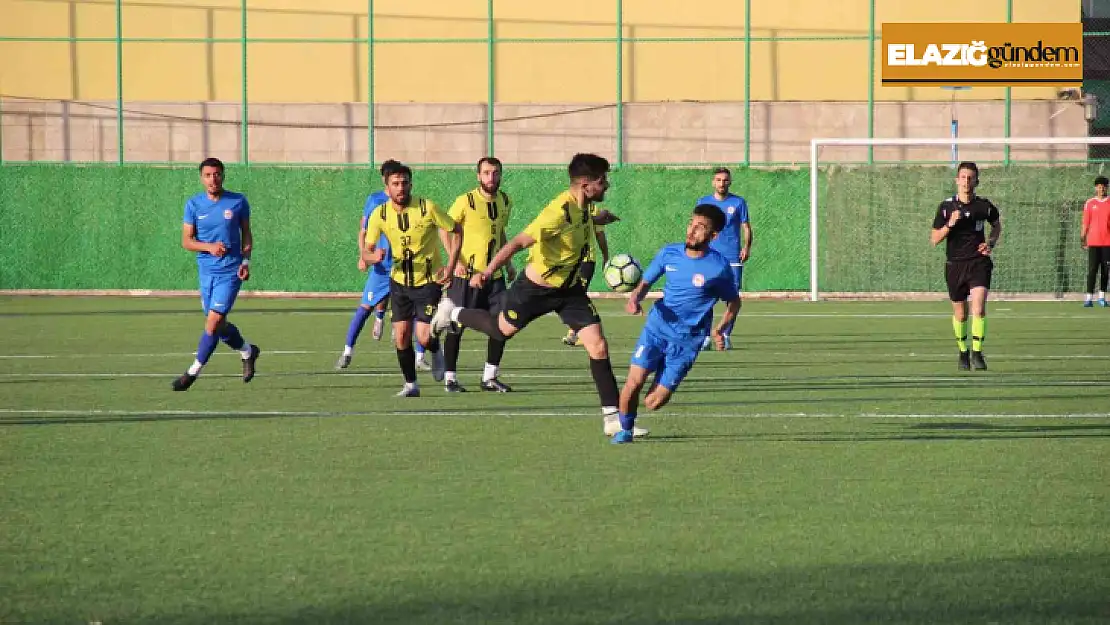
<point>483,214</point>
<point>559,238</point>
<point>414,227</point>
<point>590,266</point>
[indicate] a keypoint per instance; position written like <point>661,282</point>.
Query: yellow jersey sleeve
<point>551,221</point>
<point>441,219</point>
<point>374,226</point>
<point>457,208</point>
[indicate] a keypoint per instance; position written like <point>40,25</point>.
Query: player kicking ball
<point>697,277</point>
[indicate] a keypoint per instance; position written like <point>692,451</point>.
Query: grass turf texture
<point>903,495</point>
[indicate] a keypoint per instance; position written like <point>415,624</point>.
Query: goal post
<point>870,218</point>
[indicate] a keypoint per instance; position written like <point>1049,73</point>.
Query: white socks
<point>245,353</point>
<point>449,376</point>
<point>194,369</point>
<point>489,373</point>
<point>455,314</point>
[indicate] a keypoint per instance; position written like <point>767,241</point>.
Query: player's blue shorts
<point>670,360</point>
<point>737,275</point>
<point>376,289</point>
<point>218,291</point>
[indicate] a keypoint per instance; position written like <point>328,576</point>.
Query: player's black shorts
<point>964,275</point>
<point>491,297</point>
<point>527,301</point>
<point>414,301</point>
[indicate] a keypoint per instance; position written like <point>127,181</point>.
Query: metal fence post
<point>370,81</point>
<point>871,82</point>
<point>243,136</point>
<point>490,78</point>
<point>620,83</point>
<point>119,81</point>
<point>1006,113</point>
<point>747,83</point>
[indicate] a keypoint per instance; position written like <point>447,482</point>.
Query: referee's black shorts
<point>964,275</point>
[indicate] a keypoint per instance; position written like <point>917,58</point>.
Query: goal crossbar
<point>814,166</point>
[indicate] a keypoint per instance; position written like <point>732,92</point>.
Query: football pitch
<point>833,468</point>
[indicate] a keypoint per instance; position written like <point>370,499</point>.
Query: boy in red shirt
<point>1096,238</point>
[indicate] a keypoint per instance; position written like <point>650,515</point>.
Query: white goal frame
<point>815,146</point>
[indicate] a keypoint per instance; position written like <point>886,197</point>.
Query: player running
<point>735,240</point>
<point>697,277</point>
<point>217,227</point>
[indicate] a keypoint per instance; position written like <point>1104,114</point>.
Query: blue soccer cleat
<point>624,436</point>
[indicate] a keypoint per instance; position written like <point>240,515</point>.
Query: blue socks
<point>357,322</point>
<point>419,348</point>
<point>231,336</point>
<point>206,346</point>
<point>627,420</point>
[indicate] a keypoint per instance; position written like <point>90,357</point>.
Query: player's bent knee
<point>507,329</point>
<point>657,398</point>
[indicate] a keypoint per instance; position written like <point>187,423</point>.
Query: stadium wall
<point>108,227</point>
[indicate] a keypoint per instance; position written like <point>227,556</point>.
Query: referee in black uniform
<point>961,221</point>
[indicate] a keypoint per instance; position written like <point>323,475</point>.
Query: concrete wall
<point>672,132</point>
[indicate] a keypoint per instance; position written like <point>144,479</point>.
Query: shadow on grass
<point>938,431</point>
<point>1022,590</point>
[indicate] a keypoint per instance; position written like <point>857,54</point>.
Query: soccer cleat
<point>409,391</point>
<point>1088,304</point>
<point>422,365</point>
<point>570,340</point>
<point>977,361</point>
<point>728,342</point>
<point>622,437</point>
<point>379,325</point>
<point>183,382</point>
<point>453,386</point>
<point>439,365</point>
<point>442,319</point>
<point>964,361</point>
<point>248,364</point>
<point>1102,302</point>
<point>496,386</point>
<point>343,362</point>
<point>613,426</point>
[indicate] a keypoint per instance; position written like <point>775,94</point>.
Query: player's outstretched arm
<point>517,243</point>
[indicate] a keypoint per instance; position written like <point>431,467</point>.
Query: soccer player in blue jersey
<point>375,294</point>
<point>217,227</point>
<point>697,277</point>
<point>735,240</point>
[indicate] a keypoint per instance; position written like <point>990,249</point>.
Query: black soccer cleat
<point>248,364</point>
<point>453,386</point>
<point>183,382</point>
<point>977,361</point>
<point>965,361</point>
<point>496,386</point>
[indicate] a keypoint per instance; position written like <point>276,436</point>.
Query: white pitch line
<point>302,352</point>
<point>526,413</point>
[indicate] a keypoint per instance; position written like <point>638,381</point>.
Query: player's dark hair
<point>492,160</point>
<point>391,164</point>
<point>969,165</point>
<point>714,214</point>
<point>211,162</point>
<point>722,170</point>
<point>590,166</point>
<point>393,168</point>
<point>1103,181</point>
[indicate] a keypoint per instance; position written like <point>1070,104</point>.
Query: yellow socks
<point>978,333</point>
<point>960,328</point>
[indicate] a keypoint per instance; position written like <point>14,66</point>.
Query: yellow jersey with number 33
<point>413,235</point>
<point>564,234</point>
<point>483,224</point>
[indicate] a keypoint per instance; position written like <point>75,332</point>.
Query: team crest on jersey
<point>731,210</point>
<point>228,214</point>
<point>699,280</point>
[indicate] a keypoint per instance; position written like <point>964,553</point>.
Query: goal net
<point>870,223</point>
